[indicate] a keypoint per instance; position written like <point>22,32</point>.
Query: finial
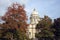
<point>34,9</point>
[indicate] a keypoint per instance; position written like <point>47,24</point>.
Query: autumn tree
<point>15,22</point>
<point>16,17</point>
<point>44,29</point>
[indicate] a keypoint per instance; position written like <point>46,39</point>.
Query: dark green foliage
<point>44,28</point>
<point>56,25</point>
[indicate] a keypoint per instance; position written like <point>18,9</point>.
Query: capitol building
<point>34,19</point>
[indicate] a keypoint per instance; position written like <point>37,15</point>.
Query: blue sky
<point>50,8</point>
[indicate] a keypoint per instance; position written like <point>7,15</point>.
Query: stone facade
<point>34,19</point>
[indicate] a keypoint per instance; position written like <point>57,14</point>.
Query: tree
<point>16,16</point>
<point>44,29</point>
<point>15,23</point>
<point>56,25</point>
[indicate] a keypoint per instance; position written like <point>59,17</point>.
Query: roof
<point>34,11</point>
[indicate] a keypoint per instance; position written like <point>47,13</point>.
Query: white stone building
<point>34,19</point>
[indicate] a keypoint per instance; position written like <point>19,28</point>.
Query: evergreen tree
<point>56,25</point>
<point>44,29</point>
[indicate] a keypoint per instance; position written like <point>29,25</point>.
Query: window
<point>29,33</point>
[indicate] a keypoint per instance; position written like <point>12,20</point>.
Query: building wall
<point>34,19</point>
<point>32,31</point>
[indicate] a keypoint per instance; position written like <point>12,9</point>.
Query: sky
<point>50,8</point>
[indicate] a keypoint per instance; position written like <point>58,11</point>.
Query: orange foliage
<point>16,17</point>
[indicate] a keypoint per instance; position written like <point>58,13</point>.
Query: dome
<point>34,12</point>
